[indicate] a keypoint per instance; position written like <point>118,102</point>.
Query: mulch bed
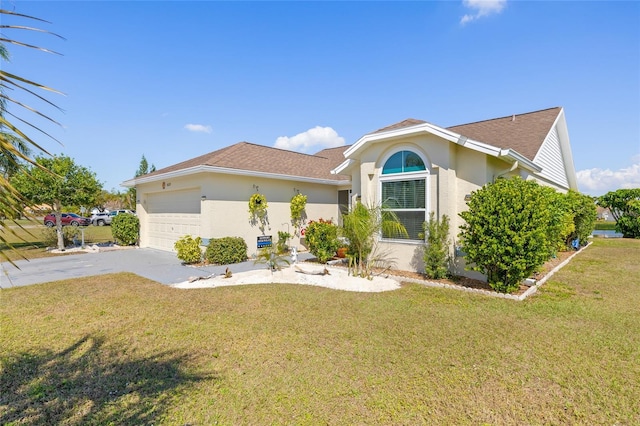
<point>479,284</point>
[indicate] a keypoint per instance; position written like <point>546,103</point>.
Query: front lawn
<point>121,349</point>
<point>28,241</point>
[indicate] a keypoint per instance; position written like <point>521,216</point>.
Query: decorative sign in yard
<point>264,241</point>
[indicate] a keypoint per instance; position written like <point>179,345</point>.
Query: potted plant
<point>258,210</point>
<point>297,206</point>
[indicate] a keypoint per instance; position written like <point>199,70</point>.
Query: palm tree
<point>15,144</point>
<point>362,226</point>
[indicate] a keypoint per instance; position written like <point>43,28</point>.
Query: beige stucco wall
<point>454,172</point>
<point>224,209</point>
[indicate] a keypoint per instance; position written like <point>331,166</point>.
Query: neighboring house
<point>604,214</point>
<point>414,167</point>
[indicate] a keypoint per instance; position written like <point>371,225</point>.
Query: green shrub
<point>322,239</point>
<point>50,236</point>
<point>584,214</point>
<point>227,250</point>
<point>188,249</point>
<point>281,245</point>
<point>125,229</point>
<point>506,235</point>
<point>436,253</point>
<point>561,225</point>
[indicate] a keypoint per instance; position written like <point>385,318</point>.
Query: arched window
<point>402,162</point>
<point>403,188</point>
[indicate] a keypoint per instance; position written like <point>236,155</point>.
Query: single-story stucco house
<point>414,167</point>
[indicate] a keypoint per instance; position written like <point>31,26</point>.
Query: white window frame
<point>405,176</point>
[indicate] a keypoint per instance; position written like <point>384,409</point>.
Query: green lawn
<point>120,349</point>
<point>28,241</point>
<point>605,226</point>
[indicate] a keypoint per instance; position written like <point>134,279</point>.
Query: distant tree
<point>58,181</point>
<point>143,169</point>
<point>624,205</point>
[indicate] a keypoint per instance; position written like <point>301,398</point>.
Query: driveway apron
<point>157,265</point>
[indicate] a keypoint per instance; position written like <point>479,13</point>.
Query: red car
<point>67,219</point>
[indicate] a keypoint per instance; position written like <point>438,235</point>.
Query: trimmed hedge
<point>125,229</point>
<point>226,250</point>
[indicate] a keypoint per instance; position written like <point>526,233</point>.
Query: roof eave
<point>229,171</point>
<point>512,156</point>
<point>345,165</point>
<point>405,131</point>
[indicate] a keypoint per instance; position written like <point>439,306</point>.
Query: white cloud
<point>481,9</point>
<point>198,128</point>
<point>317,138</point>
<point>600,181</point>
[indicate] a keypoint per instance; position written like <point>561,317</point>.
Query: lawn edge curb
<point>533,289</point>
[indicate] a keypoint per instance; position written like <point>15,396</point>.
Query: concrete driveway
<point>161,266</point>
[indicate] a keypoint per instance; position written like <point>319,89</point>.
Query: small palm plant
<point>362,227</point>
<point>270,257</point>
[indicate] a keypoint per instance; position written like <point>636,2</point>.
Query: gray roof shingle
<point>259,158</point>
<point>523,133</point>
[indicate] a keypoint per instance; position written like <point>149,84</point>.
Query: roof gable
<point>524,133</point>
<point>400,125</point>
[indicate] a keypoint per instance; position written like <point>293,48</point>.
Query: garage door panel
<point>172,215</point>
<point>185,201</point>
<point>166,228</point>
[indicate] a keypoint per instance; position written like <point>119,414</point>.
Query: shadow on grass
<point>88,384</point>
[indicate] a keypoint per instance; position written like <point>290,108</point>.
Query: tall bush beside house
<point>322,239</point>
<point>506,234</point>
<point>561,225</point>
<point>226,250</point>
<point>584,213</point>
<point>125,229</point>
<point>436,253</point>
<point>624,205</point>
<point>188,249</point>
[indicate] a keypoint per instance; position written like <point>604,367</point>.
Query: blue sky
<point>174,80</point>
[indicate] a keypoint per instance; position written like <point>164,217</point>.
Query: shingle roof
<point>523,133</point>
<point>259,158</point>
<point>404,123</point>
<point>334,155</point>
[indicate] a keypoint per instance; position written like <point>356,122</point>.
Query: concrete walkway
<point>161,266</point>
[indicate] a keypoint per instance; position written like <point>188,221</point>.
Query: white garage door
<point>172,215</point>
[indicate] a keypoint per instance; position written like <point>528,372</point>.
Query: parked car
<point>67,219</point>
<point>101,219</point>
<point>115,213</point>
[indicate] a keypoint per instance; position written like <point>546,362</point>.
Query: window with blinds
<point>405,196</point>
